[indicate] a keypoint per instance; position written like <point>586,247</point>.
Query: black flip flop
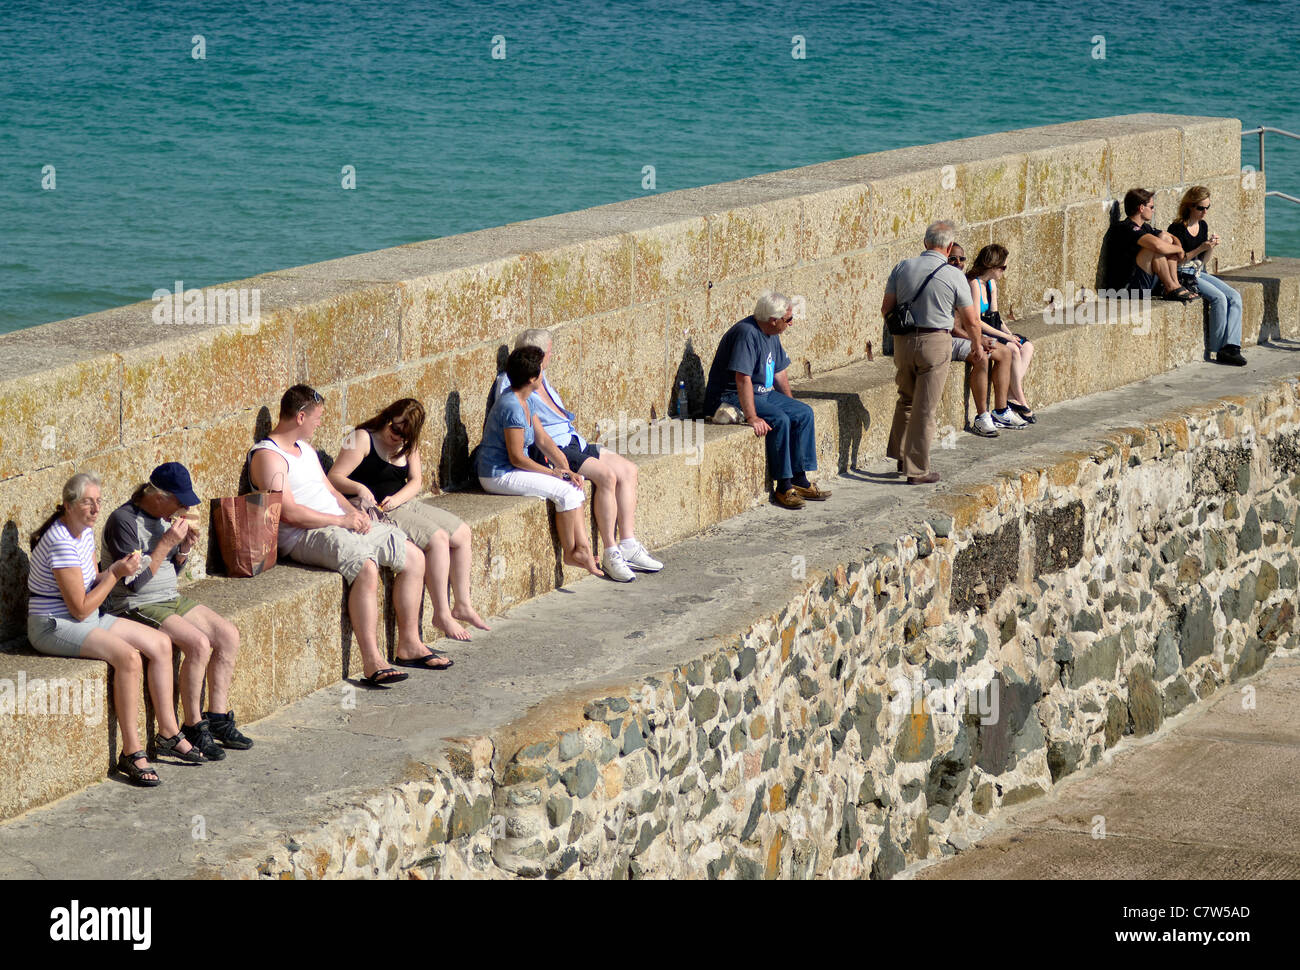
<point>394,677</point>
<point>423,662</point>
<point>1023,411</point>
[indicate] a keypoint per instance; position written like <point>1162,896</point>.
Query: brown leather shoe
<point>927,479</point>
<point>791,498</point>
<point>812,492</point>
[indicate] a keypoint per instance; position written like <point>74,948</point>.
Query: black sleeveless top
<point>381,477</point>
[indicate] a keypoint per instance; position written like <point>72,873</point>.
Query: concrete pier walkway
<point>1210,797</point>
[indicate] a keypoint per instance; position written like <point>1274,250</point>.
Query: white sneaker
<point>611,561</point>
<point>638,557</point>
<point>1006,418</point>
<point>984,426</point>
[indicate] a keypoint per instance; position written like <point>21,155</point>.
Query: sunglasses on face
<point>1201,208</point>
<point>954,260</point>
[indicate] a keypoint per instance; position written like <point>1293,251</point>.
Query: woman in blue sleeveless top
<point>990,266</point>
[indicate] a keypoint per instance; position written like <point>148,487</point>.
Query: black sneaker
<point>1230,354</point>
<point>201,738</point>
<point>223,729</point>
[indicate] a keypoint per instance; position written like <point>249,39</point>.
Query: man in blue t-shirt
<point>749,373</point>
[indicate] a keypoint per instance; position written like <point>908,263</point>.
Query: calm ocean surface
<point>167,167</point>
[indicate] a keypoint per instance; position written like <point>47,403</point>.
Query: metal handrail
<point>1261,131</point>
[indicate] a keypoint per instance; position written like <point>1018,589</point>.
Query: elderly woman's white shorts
<point>565,496</point>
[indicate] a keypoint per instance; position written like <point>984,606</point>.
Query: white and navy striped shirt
<point>58,550</point>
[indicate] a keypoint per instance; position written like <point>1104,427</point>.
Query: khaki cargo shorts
<point>334,547</point>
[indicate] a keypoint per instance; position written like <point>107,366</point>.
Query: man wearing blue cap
<point>154,522</point>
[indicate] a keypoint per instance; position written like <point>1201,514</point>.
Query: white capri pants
<point>563,494</point>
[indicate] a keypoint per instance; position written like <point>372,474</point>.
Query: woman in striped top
<point>63,619</point>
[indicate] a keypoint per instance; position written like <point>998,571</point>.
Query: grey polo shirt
<point>948,290</point>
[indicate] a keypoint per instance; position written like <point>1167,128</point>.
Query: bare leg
<point>125,661</point>
<point>604,480</point>
<point>1020,357</point>
<point>1001,375</point>
<point>156,647</point>
<point>1165,268</point>
<point>196,651</point>
<point>574,541</point>
<point>628,478</point>
<point>462,558</point>
<point>979,386</point>
<point>437,565</point>
<point>408,591</point>
<point>223,638</point>
<point>363,611</point>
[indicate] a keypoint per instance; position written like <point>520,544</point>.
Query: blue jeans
<point>1225,312</point>
<point>792,442</point>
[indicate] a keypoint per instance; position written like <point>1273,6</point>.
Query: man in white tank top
<point>321,528</point>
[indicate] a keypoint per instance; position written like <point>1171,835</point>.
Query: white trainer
<point>1006,418</point>
<point>638,557</point>
<point>612,562</point>
<point>984,427</point>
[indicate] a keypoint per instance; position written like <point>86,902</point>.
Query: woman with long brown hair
<point>379,467</point>
<point>989,267</point>
<point>1191,229</point>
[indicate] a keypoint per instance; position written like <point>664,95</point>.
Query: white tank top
<point>306,481</point>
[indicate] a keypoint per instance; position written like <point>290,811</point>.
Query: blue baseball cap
<point>175,478</point>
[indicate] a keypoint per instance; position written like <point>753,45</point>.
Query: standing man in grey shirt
<point>153,521</point>
<point>922,358</point>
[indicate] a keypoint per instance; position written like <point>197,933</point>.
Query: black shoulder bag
<point>899,320</point>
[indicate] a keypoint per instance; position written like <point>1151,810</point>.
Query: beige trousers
<point>922,363</point>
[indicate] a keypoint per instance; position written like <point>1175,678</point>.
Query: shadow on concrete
<point>691,371</point>
<point>1270,324</point>
<point>455,469</point>
<point>13,583</point>
<point>854,421</point>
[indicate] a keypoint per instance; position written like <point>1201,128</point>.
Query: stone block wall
<point>638,294</point>
<point>1083,601</point>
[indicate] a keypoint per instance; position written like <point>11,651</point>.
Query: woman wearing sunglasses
<point>1191,229</point>
<point>990,266</point>
<point>379,468</point>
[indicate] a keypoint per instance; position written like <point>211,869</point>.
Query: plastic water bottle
<point>683,407</point>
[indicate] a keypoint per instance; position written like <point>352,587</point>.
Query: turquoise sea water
<point>170,168</point>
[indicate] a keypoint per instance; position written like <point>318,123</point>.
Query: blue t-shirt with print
<point>744,349</point>
<point>507,412</point>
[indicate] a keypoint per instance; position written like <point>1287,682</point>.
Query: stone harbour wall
<point>637,293</point>
<point>1088,600</point>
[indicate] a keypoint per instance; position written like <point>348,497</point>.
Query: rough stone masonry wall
<point>1103,594</point>
<point>638,294</point>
